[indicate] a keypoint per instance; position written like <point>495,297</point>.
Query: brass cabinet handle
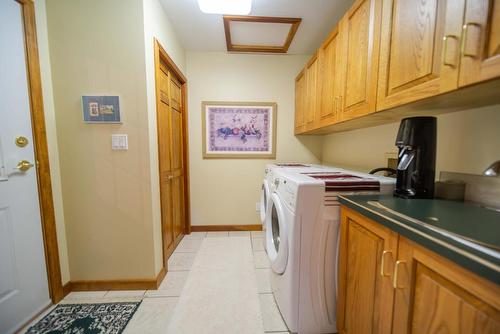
<point>445,49</point>
<point>24,165</point>
<point>396,272</point>
<point>465,30</point>
<point>382,263</point>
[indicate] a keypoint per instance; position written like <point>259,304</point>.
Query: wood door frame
<point>161,55</point>
<point>41,153</point>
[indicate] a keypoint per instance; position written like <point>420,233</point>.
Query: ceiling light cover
<point>231,7</point>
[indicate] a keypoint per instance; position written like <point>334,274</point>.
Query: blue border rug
<point>104,318</point>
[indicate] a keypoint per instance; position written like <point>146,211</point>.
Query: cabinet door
<point>419,51</point>
<point>312,92</point>
<point>434,295</point>
<point>480,42</point>
<point>367,253</point>
<point>299,102</point>
<point>330,78</point>
<point>360,29</point>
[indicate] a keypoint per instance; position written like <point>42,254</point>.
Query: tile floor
<point>157,306</point>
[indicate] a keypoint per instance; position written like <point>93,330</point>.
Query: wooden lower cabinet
<point>393,285</point>
<point>434,295</point>
<point>365,286</point>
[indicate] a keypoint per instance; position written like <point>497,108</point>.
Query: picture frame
<point>239,130</point>
<point>101,109</point>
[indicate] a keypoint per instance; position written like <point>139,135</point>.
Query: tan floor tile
<point>171,286</point>
<point>273,322</point>
<point>153,316</point>
<point>217,234</point>
<point>261,260</point>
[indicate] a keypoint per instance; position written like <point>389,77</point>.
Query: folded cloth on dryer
<point>342,182</point>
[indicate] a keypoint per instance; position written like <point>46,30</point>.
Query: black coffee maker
<point>416,141</point>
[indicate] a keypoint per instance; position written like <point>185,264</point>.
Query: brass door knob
<point>21,141</point>
<point>24,165</point>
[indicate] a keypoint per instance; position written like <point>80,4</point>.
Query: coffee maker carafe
<point>416,141</point>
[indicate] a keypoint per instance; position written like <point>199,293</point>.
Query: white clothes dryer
<point>302,242</point>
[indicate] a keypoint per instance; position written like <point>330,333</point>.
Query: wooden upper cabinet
<point>330,79</point>
<point>366,258</point>
<point>434,295</point>
<point>300,96</point>
<point>480,52</point>
<point>360,30</point>
<point>419,51</point>
<point>312,96</point>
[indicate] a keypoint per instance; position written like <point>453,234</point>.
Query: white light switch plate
<point>257,206</point>
<point>119,142</point>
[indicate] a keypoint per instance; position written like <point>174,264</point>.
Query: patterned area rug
<point>106,318</point>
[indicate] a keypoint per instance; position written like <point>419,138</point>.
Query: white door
<point>23,278</point>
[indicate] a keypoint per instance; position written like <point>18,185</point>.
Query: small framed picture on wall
<point>101,109</point>
<point>239,130</point>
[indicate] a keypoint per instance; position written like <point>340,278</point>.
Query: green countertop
<point>462,232</point>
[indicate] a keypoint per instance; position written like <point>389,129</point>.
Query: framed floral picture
<point>239,130</point>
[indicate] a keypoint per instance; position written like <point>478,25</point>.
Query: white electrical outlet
<point>257,206</point>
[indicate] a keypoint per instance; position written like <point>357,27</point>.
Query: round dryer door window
<point>276,236</point>
<point>264,199</point>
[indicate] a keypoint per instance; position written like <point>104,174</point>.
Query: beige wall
<point>97,47</point>
<point>467,142</point>
<point>157,25</point>
<point>224,192</point>
<point>50,127</point>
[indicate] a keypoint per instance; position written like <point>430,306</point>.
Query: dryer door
<point>276,235</point>
<point>264,202</point>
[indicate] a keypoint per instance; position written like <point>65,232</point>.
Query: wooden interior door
<point>434,295</point>
<point>419,52</point>
<point>360,29</point>
<point>172,152</point>
<point>164,125</point>
<point>300,97</point>
<point>367,253</point>
<point>312,92</point>
<point>330,78</point>
<point>480,54</point>
<point>177,168</point>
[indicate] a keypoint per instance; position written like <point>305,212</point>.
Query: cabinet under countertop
<point>417,266</point>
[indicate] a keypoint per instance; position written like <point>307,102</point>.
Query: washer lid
<point>276,236</point>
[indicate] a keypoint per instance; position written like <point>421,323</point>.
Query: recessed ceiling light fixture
<point>231,7</point>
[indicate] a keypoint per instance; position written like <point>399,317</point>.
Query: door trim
<point>41,153</point>
<point>161,55</point>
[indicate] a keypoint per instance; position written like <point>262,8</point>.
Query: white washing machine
<point>302,242</point>
<point>268,184</point>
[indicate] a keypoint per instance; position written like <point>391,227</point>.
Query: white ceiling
<point>253,33</point>
<point>205,32</point>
